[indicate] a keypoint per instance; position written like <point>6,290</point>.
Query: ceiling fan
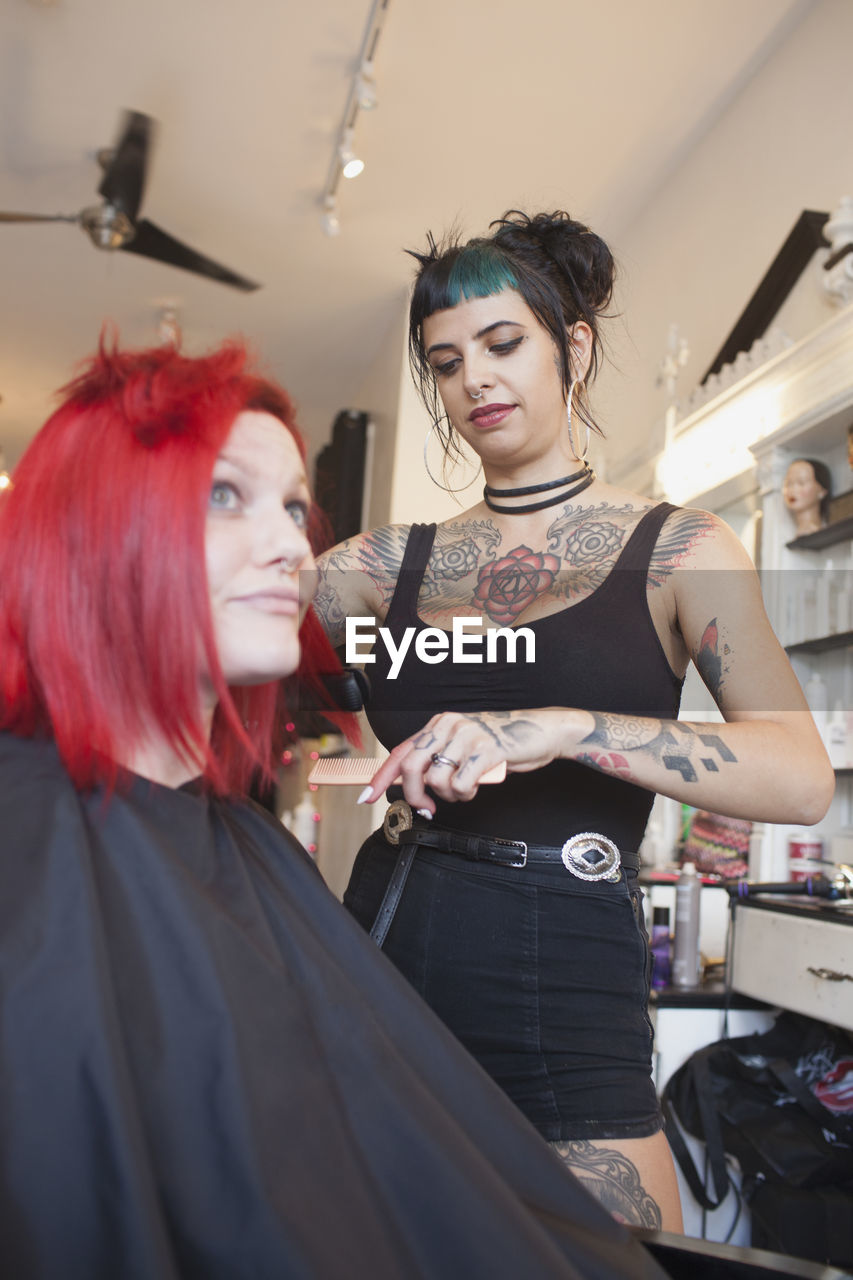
<point>113,224</point>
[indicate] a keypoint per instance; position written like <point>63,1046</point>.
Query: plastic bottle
<point>836,737</point>
<point>662,964</point>
<point>842,607</point>
<point>818,700</point>
<point>305,824</point>
<point>822,600</point>
<point>685,955</point>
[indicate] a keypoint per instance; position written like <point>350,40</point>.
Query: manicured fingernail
<point>367,794</point>
<point>425,813</point>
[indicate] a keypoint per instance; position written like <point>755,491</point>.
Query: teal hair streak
<point>479,272</point>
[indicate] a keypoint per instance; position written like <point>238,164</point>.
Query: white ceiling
<point>483,105</point>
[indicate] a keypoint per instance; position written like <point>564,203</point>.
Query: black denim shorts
<point>542,976</point>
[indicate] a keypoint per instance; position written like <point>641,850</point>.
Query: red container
<point>804,854</point>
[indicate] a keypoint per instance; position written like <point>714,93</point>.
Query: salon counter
<point>797,955</point>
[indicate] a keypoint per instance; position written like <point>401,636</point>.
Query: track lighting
<point>169,324</point>
<point>351,165</point>
<point>366,87</point>
<point>329,221</point>
<point>362,97</point>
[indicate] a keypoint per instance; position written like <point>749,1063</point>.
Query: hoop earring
<point>579,457</point>
<point>438,483</point>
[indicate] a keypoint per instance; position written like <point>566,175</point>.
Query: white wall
<point>379,395</point>
<point>694,257</point>
<point>702,245</point>
<point>401,490</point>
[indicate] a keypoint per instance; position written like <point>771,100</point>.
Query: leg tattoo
<point>612,1179</point>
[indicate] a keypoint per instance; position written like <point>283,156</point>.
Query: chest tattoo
<point>507,587</point>
<point>474,568</point>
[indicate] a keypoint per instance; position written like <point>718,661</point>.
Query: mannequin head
<point>806,490</point>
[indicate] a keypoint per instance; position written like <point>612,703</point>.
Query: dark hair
<point>823,476</point>
<point>562,270</point>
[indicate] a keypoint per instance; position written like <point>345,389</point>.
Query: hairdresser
<point>514,907</point>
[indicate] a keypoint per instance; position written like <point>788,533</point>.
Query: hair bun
<point>555,241</point>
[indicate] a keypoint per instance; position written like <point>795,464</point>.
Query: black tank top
<point>600,654</point>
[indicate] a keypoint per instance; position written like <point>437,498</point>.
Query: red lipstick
<point>489,415</point>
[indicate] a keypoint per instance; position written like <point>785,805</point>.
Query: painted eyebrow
<point>443,346</point>
<point>232,461</point>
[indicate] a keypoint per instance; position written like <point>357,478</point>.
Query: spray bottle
<point>662,967</point>
<point>685,957</point>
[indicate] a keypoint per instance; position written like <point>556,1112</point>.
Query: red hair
<point>105,600</point>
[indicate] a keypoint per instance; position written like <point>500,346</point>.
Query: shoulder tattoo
<point>679,536</point>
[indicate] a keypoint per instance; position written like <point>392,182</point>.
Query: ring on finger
<point>438,758</point>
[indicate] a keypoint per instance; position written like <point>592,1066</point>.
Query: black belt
<point>588,856</point>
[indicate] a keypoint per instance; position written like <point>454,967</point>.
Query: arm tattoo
<point>328,607</point>
<point>709,660</point>
<point>611,762</point>
<point>613,1179</point>
<point>380,554</point>
<point>676,746</point>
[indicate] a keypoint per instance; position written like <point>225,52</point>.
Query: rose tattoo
<point>508,586</point>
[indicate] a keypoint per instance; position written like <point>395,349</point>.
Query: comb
<point>356,771</point>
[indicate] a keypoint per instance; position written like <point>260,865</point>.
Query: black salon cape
<point>208,1070</point>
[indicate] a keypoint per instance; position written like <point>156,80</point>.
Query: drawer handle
<point>831,975</point>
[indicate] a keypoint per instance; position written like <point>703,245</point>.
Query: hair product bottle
<point>685,956</point>
<point>661,962</point>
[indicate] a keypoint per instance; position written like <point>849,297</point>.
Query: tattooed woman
<point>520,920</point>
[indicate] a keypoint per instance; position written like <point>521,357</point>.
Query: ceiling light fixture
<point>329,221</point>
<point>362,97</point>
<point>366,86</point>
<point>351,165</point>
<point>169,325</point>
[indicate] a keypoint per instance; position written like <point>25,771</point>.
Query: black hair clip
<point>349,690</point>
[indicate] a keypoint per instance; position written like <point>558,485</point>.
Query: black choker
<point>584,479</point>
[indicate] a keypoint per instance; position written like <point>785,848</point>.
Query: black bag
<point>760,1098</point>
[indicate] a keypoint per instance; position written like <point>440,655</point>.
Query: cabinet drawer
<point>789,961</point>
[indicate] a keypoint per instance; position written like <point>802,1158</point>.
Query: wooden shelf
<point>822,644</point>
<point>840,531</point>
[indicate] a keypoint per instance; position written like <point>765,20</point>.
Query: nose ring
<point>478,396</point>
<point>287,564</point>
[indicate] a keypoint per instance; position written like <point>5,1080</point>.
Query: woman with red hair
<point>208,1069</point>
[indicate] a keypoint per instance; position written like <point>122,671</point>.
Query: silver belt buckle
<point>398,817</point>
<point>591,856</point>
